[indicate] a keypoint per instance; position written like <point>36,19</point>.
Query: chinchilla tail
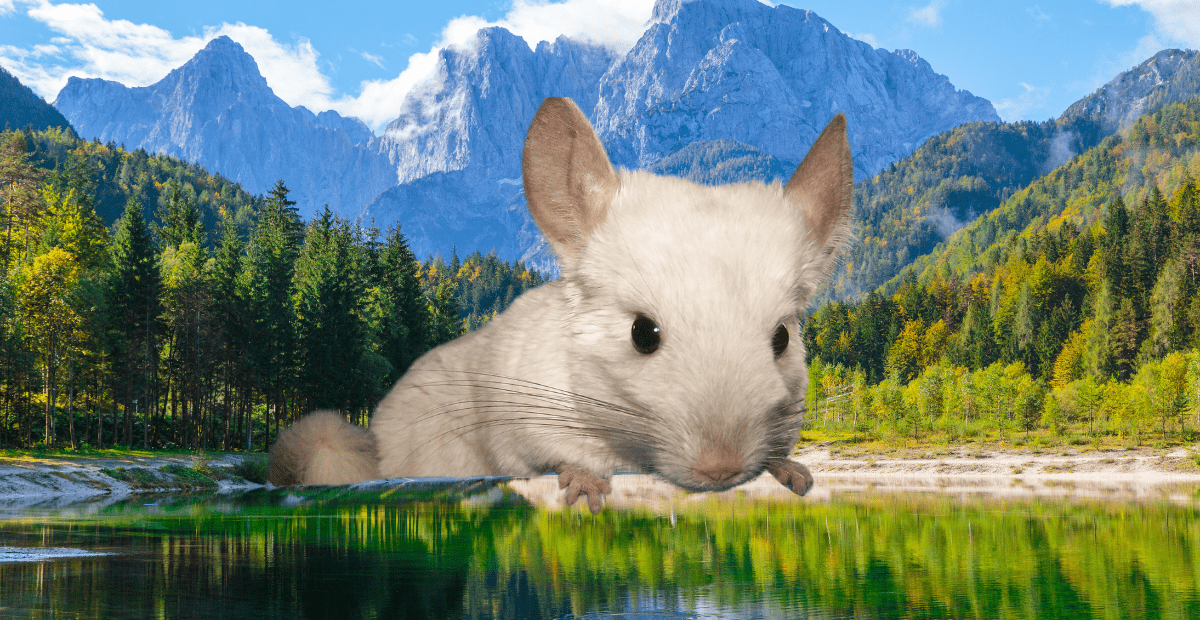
<point>323,448</point>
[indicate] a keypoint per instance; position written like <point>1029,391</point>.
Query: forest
<point>147,303</point>
<point>1071,311</point>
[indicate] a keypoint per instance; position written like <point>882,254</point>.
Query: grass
<point>105,453</point>
<point>250,467</point>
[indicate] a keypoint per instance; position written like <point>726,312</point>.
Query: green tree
<point>269,267</point>
<point>228,306</point>
<point>331,336</point>
<point>179,215</point>
<point>48,289</point>
<point>405,330</point>
<point>134,310</point>
<point>20,181</point>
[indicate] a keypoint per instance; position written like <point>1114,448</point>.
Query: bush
<point>252,468</point>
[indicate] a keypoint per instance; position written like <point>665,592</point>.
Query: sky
<point>1030,59</point>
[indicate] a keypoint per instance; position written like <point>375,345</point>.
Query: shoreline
<point>64,480</point>
<point>1138,474</point>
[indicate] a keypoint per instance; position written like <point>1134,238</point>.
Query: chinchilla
<point>671,343</point>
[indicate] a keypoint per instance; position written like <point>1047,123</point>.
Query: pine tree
<point>405,333</point>
<point>329,327</point>
<point>270,263</point>
<point>179,215</point>
<point>228,306</point>
<point>134,307</point>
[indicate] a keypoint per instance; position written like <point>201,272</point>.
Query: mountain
<point>20,107</point>
<point>218,111</point>
<point>735,76</point>
<point>1170,76</point>
<point>906,210</point>
<point>457,143</point>
<point>770,77</point>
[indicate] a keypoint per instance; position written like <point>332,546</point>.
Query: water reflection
<point>488,552</point>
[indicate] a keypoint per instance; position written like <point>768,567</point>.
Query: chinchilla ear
<point>569,182</point>
<point>822,187</point>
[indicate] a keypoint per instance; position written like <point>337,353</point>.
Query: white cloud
<point>1019,107</point>
<point>618,24</point>
<point>373,59</point>
<point>6,7</point>
<point>928,15</point>
<point>1177,21</point>
<point>865,38</point>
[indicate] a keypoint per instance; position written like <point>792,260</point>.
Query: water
<point>487,552</point>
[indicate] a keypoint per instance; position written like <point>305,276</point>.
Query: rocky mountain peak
<point>1169,76</point>
<point>217,110</point>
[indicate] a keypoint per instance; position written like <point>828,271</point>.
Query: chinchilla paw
<point>792,475</point>
<point>581,482</point>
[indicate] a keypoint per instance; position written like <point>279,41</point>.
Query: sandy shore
<point>1125,474</point>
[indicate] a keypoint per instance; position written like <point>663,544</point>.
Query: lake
<point>483,550</point>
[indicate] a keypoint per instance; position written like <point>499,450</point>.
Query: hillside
<point>115,174</point>
<point>20,107</point>
<point>1090,273</point>
<point>957,176</point>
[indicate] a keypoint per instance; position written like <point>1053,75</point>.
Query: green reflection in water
<point>405,555</point>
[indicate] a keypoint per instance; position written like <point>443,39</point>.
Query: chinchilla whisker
<point>493,406</point>
<point>480,405</point>
<point>540,423</point>
<point>573,402</point>
<point>518,382</point>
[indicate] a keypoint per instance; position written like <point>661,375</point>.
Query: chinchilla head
<point>685,300</point>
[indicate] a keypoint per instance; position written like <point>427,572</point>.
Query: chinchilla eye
<point>780,341</point>
<point>646,335</point>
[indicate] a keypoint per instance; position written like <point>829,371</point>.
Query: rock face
<point>457,143</point>
<point>1170,76</point>
<point>217,110</point>
<point>21,107</point>
<point>770,77</point>
<point>709,81</point>
<point>715,90</point>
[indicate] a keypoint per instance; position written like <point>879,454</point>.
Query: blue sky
<point>1031,59</point>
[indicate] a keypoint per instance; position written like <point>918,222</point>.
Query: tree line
<point>208,318</point>
<point>1092,331</point>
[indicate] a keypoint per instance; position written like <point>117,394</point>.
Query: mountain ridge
<point>21,107</point>
<point>217,110</point>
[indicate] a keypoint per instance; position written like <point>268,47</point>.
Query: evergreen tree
<point>230,317</point>
<point>134,307</point>
<point>270,263</point>
<point>444,322</point>
<point>405,333</point>
<point>329,328</point>
<point>179,215</point>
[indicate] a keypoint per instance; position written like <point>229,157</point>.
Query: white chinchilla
<point>670,344</point>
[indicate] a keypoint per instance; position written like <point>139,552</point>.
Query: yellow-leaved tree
<point>46,290</point>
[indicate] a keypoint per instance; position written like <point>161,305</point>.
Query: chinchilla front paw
<point>792,475</point>
<point>581,482</point>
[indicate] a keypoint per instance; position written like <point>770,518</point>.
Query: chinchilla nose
<point>718,464</point>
